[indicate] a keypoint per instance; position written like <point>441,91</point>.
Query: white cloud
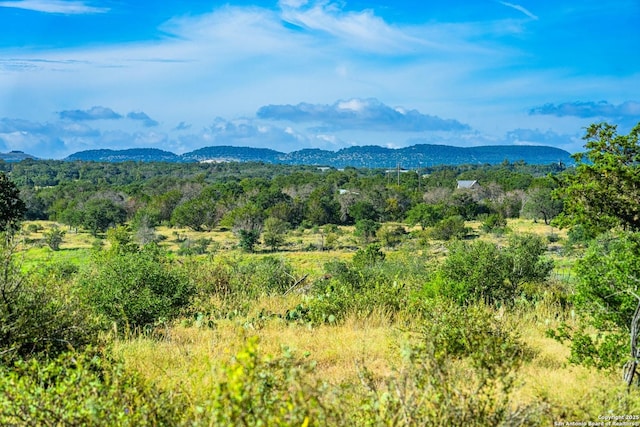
<point>520,9</point>
<point>55,6</point>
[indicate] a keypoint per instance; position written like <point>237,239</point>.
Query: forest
<point>262,294</point>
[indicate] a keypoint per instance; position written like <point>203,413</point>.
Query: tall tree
<point>604,191</point>
<point>12,208</point>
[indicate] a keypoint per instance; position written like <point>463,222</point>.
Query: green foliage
<point>40,314</point>
<point>263,276</point>
<point>363,209</point>
<point>579,235</point>
<point>541,203</point>
<point>82,389</point>
<point>604,191</point>
<point>526,261</point>
<point>425,215</point>
<point>98,215</point>
<point>196,214</point>
<point>369,256</point>
<point>12,208</point>
<point>608,276</point>
<point>136,290</point>
<point>54,237</point>
<point>481,271</point>
<point>431,388</point>
<point>194,247</point>
<point>274,231</point>
<point>322,208</point>
<point>390,235</point>
<point>449,228</point>
<point>494,223</point>
<point>602,350</point>
<point>260,391</point>
<point>366,229</point>
<point>121,240</point>
<point>248,239</point>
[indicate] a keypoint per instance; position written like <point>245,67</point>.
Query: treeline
<point>243,196</point>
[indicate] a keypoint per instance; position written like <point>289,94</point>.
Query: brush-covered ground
<point>310,335</point>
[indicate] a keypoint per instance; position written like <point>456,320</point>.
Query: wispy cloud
<point>360,114</point>
<point>628,109</point>
<point>520,9</point>
<point>94,113</point>
<point>55,6</point>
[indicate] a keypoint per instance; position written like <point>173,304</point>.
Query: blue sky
<point>292,74</point>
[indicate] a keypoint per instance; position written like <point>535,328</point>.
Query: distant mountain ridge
<point>15,156</point>
<point>372,156</point>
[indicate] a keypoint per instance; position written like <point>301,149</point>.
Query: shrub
<point>449,228</point>
<point>136,289</point>
<point>262,276</point>
<point>194,247</point>
<point>494,223</point>
<point>460,372</point>
<point>482,271</point>
<point>369,256</point>
<point>82,389</point>
<point>256,390</point>
<point>40,314</point>
<point>53,237</point>
<point>248,239</point>
<point>608,276</point>
<point>390,235</point>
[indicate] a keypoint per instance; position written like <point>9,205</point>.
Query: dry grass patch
<point>188,358</point>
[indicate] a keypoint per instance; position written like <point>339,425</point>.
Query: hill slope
<point>358,156</point>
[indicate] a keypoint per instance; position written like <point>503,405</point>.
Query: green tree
<point>196,214</point>
<point>494,223</point>
<point>366,229</point>
<point>363,210</point>
<point>100,214</point>
<point>390,235</point>
<point>54,237</point>
<point>248,239</point>
<point>609,275</point>
<point>274,231</point>
<point>604,191</point>
<point>322,208</point>
<point>12,208</point>
<point>425,215</point>
<point>482,271</point>
<point>369,256</point>
<point>540,203</point>
<point>40,314</point>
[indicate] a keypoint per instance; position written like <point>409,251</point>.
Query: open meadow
<point>281,315</point>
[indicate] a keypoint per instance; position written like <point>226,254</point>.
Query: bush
<point>390,235</point>
<point>494,223</point>
<point>53,237</point>
<point>82,389</point>
<point>601,350</point>
<point>482,271</point>
<point>40,314</point>
<point>256,390</point>
<point>449,228</point>
<point>460,372</point>
<point>194,247</point>
<point>608,274</point>
<point>369,256</point>
<point>136,289</point>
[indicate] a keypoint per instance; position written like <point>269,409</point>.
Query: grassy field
<point>187,356</point>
